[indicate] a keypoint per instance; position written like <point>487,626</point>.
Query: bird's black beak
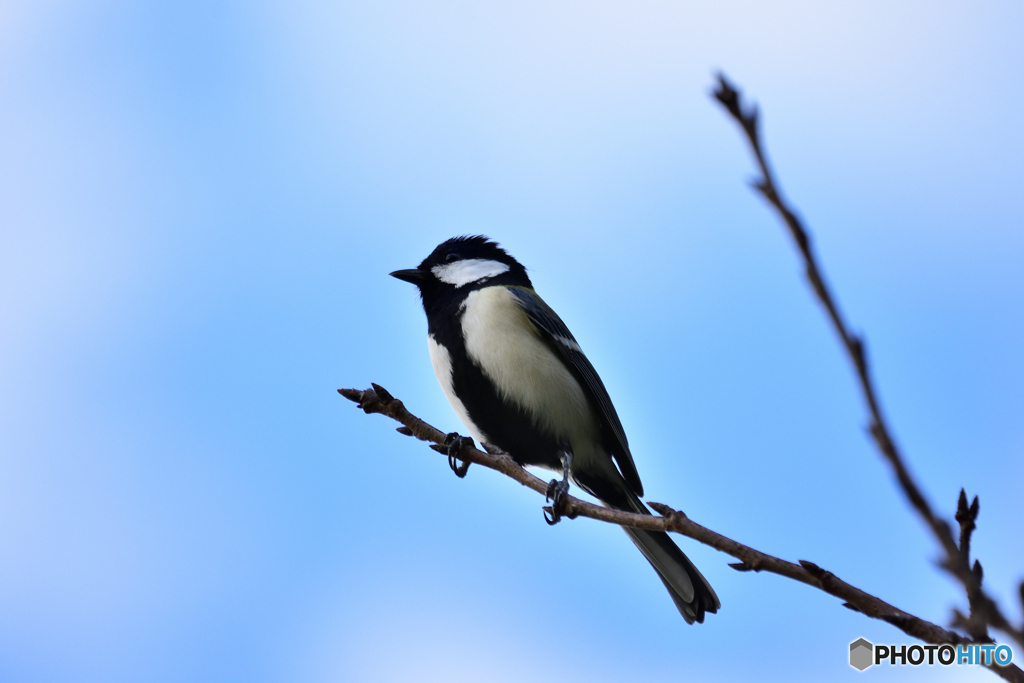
<point>413,275</point>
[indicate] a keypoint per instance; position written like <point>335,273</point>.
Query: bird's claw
<point>557,490</point>
<point>455,444</point>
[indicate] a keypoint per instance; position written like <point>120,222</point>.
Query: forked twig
<point>984,610</point>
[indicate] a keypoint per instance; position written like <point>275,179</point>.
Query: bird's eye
<point>452,256</point>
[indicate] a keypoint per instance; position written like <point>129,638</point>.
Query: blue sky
<point>199,206</point>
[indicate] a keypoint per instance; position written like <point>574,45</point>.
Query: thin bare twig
<point>984,610</point>
<point>379,400</point>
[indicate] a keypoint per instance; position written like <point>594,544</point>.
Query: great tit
<point>518,380</point>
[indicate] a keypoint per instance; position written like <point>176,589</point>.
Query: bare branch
<point>984,610</point>
<point>379,400</point>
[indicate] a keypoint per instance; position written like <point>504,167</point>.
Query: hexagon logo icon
<point>862,654</point>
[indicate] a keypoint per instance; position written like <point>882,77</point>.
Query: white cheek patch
<point>466,272</point>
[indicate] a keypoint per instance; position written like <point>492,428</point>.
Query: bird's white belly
<point>506,346</point>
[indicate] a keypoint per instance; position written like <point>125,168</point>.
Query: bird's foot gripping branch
<point>558,489</point>
<point>454,444</point>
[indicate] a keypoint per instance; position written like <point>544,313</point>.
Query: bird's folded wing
<point>560,339</point>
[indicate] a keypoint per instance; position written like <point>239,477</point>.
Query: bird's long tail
<point>691,592</point>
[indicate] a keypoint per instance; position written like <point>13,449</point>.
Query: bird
<point>517,379</point>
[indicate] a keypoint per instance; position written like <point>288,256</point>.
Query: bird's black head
<point>461,265</point>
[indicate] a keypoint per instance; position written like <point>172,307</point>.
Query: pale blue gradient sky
<point>199,206</point>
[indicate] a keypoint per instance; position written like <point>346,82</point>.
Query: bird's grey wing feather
<point>560,339</point>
